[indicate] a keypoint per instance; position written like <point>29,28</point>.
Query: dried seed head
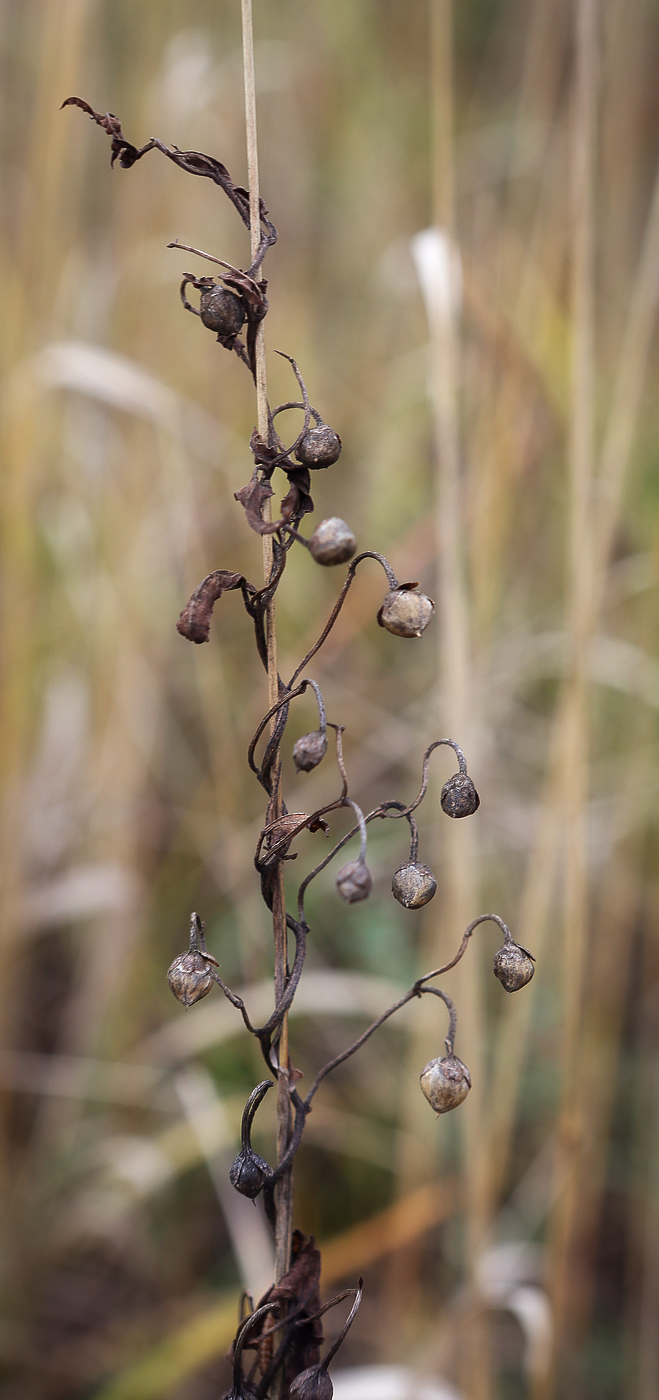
<point>221,311</point>
<point>354,881</point>
<point>309,750</point>
<point>413,885</point>
<point>513,966</point>
<point>190,977</point>
<point>320,447</point>
<point>459,797</point>
<point>332,542</point>
<point>445,1083</point>
<point>314,1384</point>
<point>248,1173</point>
<point>405,612</point>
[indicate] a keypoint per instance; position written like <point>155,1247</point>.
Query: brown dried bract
<point>195,619</point>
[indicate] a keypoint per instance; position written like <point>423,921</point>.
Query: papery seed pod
<point>309,750</point>
<point>221,311</point>
<point>445,1083</point>
<point>190,977</point>
<point>405,612</point>
<point>354,881</point>
<point>513,966</point>
<point>314,1384</point>
<point>332,542</point>
<point>413,885</point>
<point>248,1173</point>
<point>459,797</point>
<point>320,447</point>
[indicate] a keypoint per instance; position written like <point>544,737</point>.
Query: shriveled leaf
<point>253,497</point>
<point>195,620</point>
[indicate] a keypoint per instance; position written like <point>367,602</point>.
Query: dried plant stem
<point>284,1192</point>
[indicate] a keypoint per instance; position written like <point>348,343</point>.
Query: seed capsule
<point>413,885</point>
<point>354,881</point>
<point>314,1384</point>
<point>513,966</point>
<point>445,1083</point>
<point>405,612</point>
<point>248,1173</point>
<point>320,447</point>
<point>221,311</point>
<point>190,978</point>
<point>332,542</point>
<point>309,750</point>
<point>459,797</point>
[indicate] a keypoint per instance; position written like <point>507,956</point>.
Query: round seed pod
<point>314,1384</point>
<point>332,542</point>
<point>459,797</point>
<point>354,881</point>
<point>221,311</point>
<point>413,885</point>
<point>248,1173</point>
<point>405,612</point>
<point>513,966</point>
<point>309,750</point>
<point>190,978</point>
<point>445,1083</point>
<point>320,447</point>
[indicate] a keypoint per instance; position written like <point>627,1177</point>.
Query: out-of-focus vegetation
<point>125,797</point>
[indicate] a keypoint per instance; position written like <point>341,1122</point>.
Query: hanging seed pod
<point>320,447</point>
<point>332,542</point>
<point>445,1083</point>
<point>314,1384</point>
<point>248,1173</point>
<point>354,881</point>
<point>459,797</point>
<point>413,885</point>
<point>405,612</point>
<point>221,311</point>
<point>513,965</point>
<point>310,750</point>
<point>190,978</point>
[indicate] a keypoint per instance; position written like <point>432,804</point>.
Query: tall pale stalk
<point>284,1191</point>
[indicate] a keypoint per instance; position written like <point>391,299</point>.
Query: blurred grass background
<point>513,1249</point>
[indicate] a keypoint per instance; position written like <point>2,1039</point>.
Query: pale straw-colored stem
<point>284,1191</point>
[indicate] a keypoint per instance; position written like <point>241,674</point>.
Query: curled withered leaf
<point>253,497</point>
<point>194,162</point>
<point>195,620</point>
<point>298,501</point>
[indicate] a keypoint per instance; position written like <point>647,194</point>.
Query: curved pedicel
<point>274,709</point>
<point>392,581</point>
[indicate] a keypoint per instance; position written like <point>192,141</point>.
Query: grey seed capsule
<point>221,311</point>
<point>190,978</point>
<point>309,750</point>
<point>445,1083</point>
<point>332,542</point>
<point>513,966</point>
<point>405,612</point>
<point>354,881</point>
<point>314,1384</point>
<point>248,1173</point>
<point>320,447</point>
<point>413,885</point>
<point>459,797</point>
